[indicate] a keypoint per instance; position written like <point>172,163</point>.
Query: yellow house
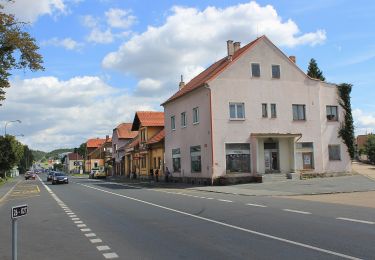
<point>145,153</point>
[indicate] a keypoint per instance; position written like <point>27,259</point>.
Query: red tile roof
<point>74,156</point>
<point>94,142</point>
<point>157,138</point>
<point>147,118</point>
<point>211,72</point>
<point>124,131</point>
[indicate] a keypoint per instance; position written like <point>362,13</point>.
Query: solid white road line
<point>103,248</point>
<point>224,200</point>
<point>297,211</point>
<point>231,226</point>
<point>110,255</point>
<point>95,240</point>
<point>357,220</point>
<point>90,235</point>
<point>256,205</point>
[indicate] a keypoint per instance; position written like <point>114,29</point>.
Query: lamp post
<point>7,122</point>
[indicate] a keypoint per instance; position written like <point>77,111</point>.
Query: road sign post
<point>17,211</point>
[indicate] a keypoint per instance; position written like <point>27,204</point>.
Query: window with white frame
<point>299,112</point>
<point>255,70</point>
<point>275,71</point>
<point>273,111</point>
<point>195,157</point>
<point>176,160</point>
<point>334,152</point>
<point>183,119</point>
<point>264,110</point>
<point>237,157</point>
<point>195,115</point>
<point>173,123</point>
<point>237,110</point>
<point>332,114</point>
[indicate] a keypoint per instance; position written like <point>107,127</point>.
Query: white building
<point>253,112</point>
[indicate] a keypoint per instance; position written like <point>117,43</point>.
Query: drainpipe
<point>212,139</point>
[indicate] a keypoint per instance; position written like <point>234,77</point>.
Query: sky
<point>106,59</point>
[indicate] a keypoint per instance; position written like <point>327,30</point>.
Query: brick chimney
<point>237,46</point>
<point>182,83</point>
<point>293,58</point>
<point>230,48</point>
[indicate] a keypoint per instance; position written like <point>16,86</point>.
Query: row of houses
<point>251,113</point>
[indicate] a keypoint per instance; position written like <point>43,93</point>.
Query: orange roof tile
<point>94,142</point>
<point>157,138</point>
<point>124,131</point>
<point>74,156</point>
<point>147,118</point>
<point>211,72</point>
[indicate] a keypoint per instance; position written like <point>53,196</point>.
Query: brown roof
<point>147,118</point>
<point>157,138</point>
<point>124,131</point>
<point>94,142</point>
<point>211,72</point>
<point>133,143</point>
<point>74,156</point>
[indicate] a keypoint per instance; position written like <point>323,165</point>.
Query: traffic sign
<point>19,211</point>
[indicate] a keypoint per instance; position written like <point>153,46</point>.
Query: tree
<point>81,150</point>
<point>18,50</point>
<point>26,160</point>
<point>314,72</point>
<point>346,131</point>
<point>11,152</point>
<point>370,148</point>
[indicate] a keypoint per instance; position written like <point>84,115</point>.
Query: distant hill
<point>40,155</point>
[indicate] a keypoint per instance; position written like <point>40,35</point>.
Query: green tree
<point>18,50</point>
<point>11,152</point>
<point>370,148</point>
<point>26,160</point>
<point>346,131</point>
<point>314,72</point>
<point>81,150</point>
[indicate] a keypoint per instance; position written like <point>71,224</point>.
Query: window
<point>183,119</point>
<point>195,115</point>
<point>334,152</point>
<point>255,70</point>
<point>332,114</point>
<point>173,123</point>
<point>154,162</point>
<point>273,111</point>
<point>264,110</point>
<point>176,160</point>
<point>275,71</point>
<point>195,157</point>
<point>237,110</point>
<point>143,135</point>
<point>237,157</point>
<point>299,112</point>
<point>143,162</point>
<point>159,162</point>
<point>302,145</point>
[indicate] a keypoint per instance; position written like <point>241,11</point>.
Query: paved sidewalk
<point>364,169</point>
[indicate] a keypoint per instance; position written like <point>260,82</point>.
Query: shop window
<point>237,157</point>
<point>176,160</point>
<point>195,157</point>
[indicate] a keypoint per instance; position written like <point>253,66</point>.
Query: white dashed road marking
<point>96,240</point>
<point>103,248</point>
<point>85,229</point>
<point>224,200</point>
<point>357,220</point>
<point>256,205</point>
<point>297,211</point>
<point>110,255</point>
<point>90,235</point>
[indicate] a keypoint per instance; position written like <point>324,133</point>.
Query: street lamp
<point>7,122</point>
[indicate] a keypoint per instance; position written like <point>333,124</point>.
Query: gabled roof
<point>74,156</point>
<point>147,118</point>
<point>211,72</point>
<point>157,138</point>
<point>124,131</point>
<point>94,142</point>
<point>133,143</point>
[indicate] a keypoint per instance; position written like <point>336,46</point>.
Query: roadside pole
<point>17,211</point>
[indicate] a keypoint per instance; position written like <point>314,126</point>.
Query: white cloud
<point>29,11</point>
<point>120,18</point>
<point>66,43</point>
<point>56,113</point>
<point>191,39</point>
<point>98,36</point>
<point>364,122</point>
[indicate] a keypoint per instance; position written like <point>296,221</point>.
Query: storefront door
<point>271,160</point>
<point>307,161</point>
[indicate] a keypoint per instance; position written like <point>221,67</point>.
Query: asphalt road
<point>94,219</point>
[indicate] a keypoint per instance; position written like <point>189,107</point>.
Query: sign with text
<point>19,211</point>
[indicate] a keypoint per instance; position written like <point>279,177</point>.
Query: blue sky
<point>106,59</point>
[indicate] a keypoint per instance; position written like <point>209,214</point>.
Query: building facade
<point>93,158</point>
<point>253,112</point>
<point>73,163</point>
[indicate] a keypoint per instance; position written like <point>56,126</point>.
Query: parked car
<point>49,176</point>
<point>96,174</point>
<point>29,175</point>
<point>59,177</point>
